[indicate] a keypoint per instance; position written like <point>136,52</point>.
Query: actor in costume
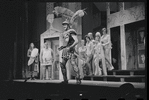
<point>32,61</point>
<point>71,39</point>
<point>106,43</point>
<point>82,53</point>
<point>46,59</point>
<point>97,57</point>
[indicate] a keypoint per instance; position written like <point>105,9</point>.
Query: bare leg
<point>88,64</point>
<point>50,72</point>
<point>93,65</point>
<point>44,72</point>
<point>76,69</point>
<point>81,62</point>
<point>104,69</point>
<point>63,69</point>
<point>32,71</point>
<point>107,58</point>
<point>97,68</point>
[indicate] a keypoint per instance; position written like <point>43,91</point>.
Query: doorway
<point>135,47</point>
<point>54,42</point>
<point>55,45</point>
<point>115,51</point>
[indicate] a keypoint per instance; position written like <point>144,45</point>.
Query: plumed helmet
<point>66,22</point>
<point>98,34</point>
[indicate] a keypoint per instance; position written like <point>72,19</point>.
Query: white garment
<point>89,47</point>
<point>97,58</point>
<point>97,49</point>
<point>34,54</point>
<point>105,39</point>
<point>47,56</point>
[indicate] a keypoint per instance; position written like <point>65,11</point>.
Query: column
<point>123,47</point>
<point>108,28</point>
<point>123,41</point>
<point>41,47</point>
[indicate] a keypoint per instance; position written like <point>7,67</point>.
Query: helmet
<point>98,34</point>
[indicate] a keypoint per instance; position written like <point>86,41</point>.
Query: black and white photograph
<point>73,50</point>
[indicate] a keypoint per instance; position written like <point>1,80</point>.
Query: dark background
<point>19,24</point>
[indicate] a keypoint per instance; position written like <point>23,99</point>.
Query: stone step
<point>117,78</point>
<point>126,72</point>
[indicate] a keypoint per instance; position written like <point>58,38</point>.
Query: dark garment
<point>69,54</point>
<point>71,40</point>
<point>65,52</point>
<point>31,67</point>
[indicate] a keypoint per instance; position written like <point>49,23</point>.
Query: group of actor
<point>95,53</point>
<point>91,58</point>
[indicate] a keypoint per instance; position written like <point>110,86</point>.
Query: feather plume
<point>70,15</point>
<point>63,12</point>
<point>79,13</point>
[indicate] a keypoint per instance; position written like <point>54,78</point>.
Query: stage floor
<point>89,83</point>
<point>91,90</point>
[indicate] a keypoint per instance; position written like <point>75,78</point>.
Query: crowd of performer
<point>92,56</point>
<point>95,53</point>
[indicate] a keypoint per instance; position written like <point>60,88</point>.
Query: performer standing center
<point>70,36</point>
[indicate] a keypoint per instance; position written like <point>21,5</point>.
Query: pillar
<point>122,41</point>
<point>108,28</point>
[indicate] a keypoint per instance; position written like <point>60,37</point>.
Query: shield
<point>34,53</point>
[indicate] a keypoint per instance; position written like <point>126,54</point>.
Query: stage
<point>54,90</point>
<point>88,83</point>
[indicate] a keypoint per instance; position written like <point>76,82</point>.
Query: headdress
<point>98,34</point>
<point>90,33</point>
<point>86,36</point>
<point>70,15</point>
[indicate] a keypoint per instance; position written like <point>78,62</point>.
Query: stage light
<point>80,94</point>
